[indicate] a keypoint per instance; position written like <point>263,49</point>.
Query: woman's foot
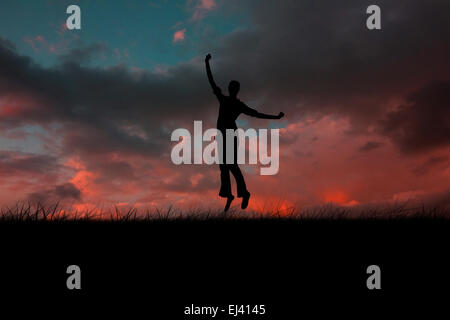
<point>245,199</point>
<point>229,200</point>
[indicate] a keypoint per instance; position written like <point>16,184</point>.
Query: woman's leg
<point>225,183</point>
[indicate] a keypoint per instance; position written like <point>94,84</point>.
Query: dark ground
<point>155,269</point>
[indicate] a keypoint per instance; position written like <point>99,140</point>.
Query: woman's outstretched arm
<point>253,113</point>
<point>209,73</point>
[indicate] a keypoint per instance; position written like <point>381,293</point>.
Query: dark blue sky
<point>137,33</point>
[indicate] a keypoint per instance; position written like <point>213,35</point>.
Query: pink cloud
<point>62,28</point>
<point>37,43</point>
<point>179,35</point>
<point>201,8</point>
<point>40,44</point>
<point>207,4</point>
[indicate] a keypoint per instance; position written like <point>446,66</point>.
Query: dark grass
<point>56,214</point>
<point>156,261</point>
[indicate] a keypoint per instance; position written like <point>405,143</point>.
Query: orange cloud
<point>338,197</point>
<point>179,35</point>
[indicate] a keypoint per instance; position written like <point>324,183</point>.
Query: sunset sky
<point>86,115</point>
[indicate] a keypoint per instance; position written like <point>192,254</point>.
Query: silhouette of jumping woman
<point>230,108</point>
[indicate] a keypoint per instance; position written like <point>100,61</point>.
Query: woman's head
<point>233,88</point>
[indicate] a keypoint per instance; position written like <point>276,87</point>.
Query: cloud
<point>37,43</point>
<point>16,163</point>
<point>207,4</point>
<point>40,44</point>
<point>7,44</point>
<point>370,145</point>
<point>322,60</point>
<point>98,106</point>
<point>201,8</point>
<point>321,70</point>
<point>422,123</point>
<point>434,162</point>
<point>179,35</point>
<point>83,55</point>
<point>66,191</point>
